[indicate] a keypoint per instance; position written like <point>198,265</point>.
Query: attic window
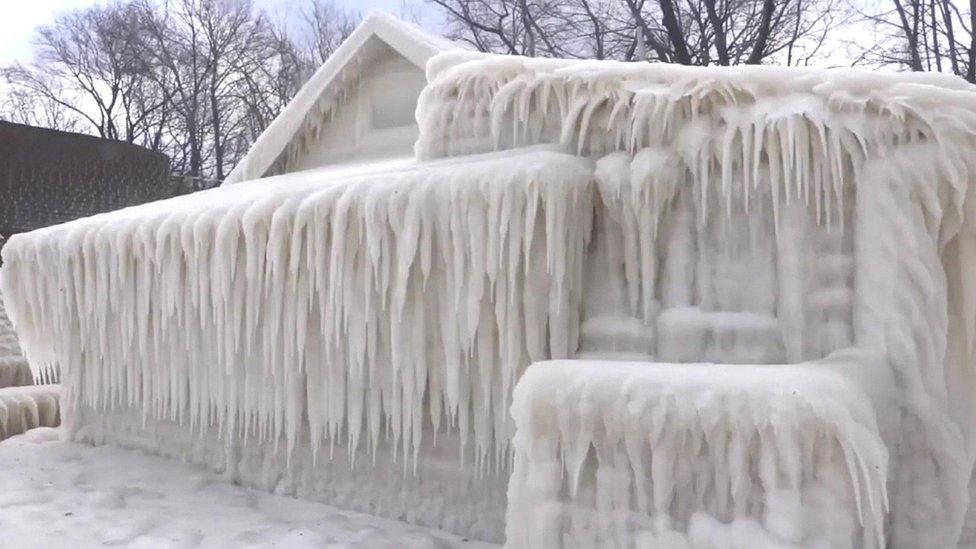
<point>394,107</point>
<point>394,90</point>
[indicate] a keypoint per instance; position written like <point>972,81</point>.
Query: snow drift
<point>747,216</point>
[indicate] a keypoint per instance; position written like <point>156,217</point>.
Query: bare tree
<point>232,37</point>
<point>23,106</point>
<point>691,32</point>
<point>88,64</point>
<point>921,35</point>
<point>320,29</point>
<point>205,51</point>
<point>196,79</point>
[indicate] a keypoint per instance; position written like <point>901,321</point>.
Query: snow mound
<point>25,408</point>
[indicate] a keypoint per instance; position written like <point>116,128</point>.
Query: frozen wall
<point>376,120</point>
<point>738,286</point>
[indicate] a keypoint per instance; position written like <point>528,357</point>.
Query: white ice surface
<point>65,494</point>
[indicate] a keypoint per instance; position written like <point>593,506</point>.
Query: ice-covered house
<point>746,294</point>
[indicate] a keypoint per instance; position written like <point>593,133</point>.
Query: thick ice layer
<point>716,277</point>
<point>845,195</point>
<point>728,215</point>
<point>790,119</point>
<point>344,307</point>
<point>694,455</point>
<point>24,408</point>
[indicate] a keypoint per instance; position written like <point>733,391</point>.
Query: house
<point>601,304</point>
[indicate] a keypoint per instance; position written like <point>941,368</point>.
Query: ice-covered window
<point>394,96</point>
<point>705,279</point>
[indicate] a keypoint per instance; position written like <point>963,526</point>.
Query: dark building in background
<point>49,177</point>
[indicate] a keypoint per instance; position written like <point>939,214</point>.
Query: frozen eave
<point>476,102</point>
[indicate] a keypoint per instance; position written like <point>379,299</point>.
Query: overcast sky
<point>21,17</point>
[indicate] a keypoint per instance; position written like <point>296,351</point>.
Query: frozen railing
<point>695,455</point>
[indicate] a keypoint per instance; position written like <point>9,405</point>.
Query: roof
<point>595,107</point>
<point>278,189</point>
<point>409,41</point>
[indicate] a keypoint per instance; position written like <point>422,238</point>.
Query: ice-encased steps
<point>24,408</point>
<point>694,455</point>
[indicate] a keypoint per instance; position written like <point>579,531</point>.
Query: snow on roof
<point>299,183</point>
<point>596,107</point>
<point>406,39</point>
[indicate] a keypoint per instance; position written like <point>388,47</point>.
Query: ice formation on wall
<point>320,113</point>
<point>744,216</point>
<point>349,300</point>
<point>867,175</point>
<point>297,128</point>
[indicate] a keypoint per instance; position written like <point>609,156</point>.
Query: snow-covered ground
<point>65,494</point>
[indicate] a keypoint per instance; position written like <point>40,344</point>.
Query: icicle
<point>311,302</point>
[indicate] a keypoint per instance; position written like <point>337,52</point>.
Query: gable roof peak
<point>406,39</point>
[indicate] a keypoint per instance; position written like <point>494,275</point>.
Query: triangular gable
<point>407,40</point>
